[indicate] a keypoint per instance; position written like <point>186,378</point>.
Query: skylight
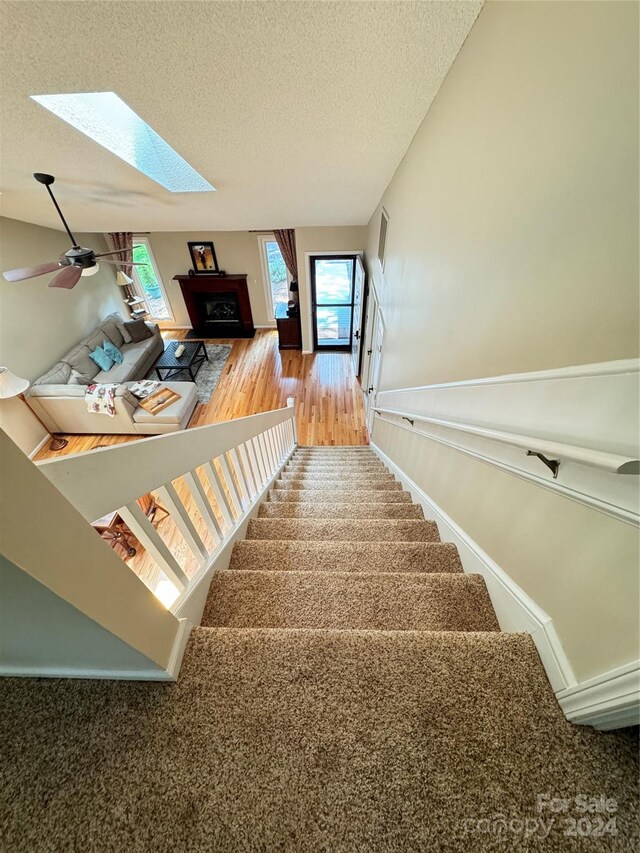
<point>105,118</point>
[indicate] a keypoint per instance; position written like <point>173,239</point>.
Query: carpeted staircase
<point>339,545</point>
<point>349,690</point>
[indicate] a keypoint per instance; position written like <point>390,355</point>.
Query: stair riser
<point>285,509</point>
<point>327,496</point>
<point>262,555</point>
<point>366,601</point>
<point>339,485</point>
<point>332,475</point>
<point>349,530</point>
<point>337,466</point>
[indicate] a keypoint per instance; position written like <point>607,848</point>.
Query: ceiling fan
<point>74,263</point>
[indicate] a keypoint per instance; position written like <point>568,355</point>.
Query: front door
<point>332,291</point>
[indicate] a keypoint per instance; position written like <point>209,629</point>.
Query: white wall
<point>513,246</point>
<point>41,633</point>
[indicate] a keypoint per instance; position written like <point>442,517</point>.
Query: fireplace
<point>218,306</point>
<point>216,309</point>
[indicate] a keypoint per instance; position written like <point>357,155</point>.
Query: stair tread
<point>292,555</point>
<point>346,485</point>
<point>374,530</point>
<point>289,509</point>
<point>360,477</point>
<point>375,601</point>
<point>329,496</point>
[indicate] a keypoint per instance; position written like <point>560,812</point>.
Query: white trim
<point>271,326</point>
<point>515,610</point>
<point>608,701</point>
<point>579,371</point>
<point>263,239</point>
<point>179,646</point>
<point>39,446</point>
<point>170,327</point>
<point>143,238</point>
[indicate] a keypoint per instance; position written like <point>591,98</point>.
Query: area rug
<point>209,374</point>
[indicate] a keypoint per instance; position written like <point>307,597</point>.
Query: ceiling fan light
<point>91,270</point>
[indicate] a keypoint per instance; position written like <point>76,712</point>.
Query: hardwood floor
<point>257,377</point>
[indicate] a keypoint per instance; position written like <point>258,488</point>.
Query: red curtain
<point>286,240</point>
<point>123,240</point>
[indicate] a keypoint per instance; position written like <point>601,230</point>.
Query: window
<point>275,272</point>
<point>147,281</point>
<point>105,118</point>
<point>382,240</point>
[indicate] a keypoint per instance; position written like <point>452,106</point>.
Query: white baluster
<point>134,517</point>
<point>182,520</point>
<point>231,485</point>
<point>202,502</point>
<point>218,491</point>
<point>240,477</point>
<point>248,473</point>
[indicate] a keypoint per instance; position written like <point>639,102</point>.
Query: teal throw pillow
<point>101,359</point>
<point>113,352</point>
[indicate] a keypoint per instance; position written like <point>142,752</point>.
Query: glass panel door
<point>332,293</point>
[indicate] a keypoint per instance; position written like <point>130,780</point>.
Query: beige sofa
<point>58,396</point>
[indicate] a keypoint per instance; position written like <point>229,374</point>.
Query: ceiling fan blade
<point>116,252</point>
<point>123,263</point>
<point>68,278</point>
<point>31,272</point>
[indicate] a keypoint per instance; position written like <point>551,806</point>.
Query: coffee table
<point>191,360</point>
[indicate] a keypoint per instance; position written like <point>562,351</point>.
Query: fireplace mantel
<point>204,319</point>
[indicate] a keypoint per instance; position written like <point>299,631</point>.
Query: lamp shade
<point>10,384</point>
<point>123,279</point>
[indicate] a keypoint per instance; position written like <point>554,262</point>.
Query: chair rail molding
<point>586,418</point>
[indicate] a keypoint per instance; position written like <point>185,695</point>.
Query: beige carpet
<point>349,692</point>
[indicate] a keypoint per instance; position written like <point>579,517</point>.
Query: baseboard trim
<point>608,701</point>
<point>266,326</point>
<point>177,652</point>
<point>39,446</point>
<point>515,610</point>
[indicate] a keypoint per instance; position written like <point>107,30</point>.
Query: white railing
<point>222,472</point>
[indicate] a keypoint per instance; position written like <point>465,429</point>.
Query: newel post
<point>291,405</point>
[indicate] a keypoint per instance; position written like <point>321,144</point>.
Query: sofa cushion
<point>138,330</point>
<point>122,328</point>
<point>79,360</point>
<point>58,375</point>
<point>111,330</point>
<point>174,413</point>
<point>134,358</point>
<point>77,379</point>
<point>104,361</point>
<point>95,339</point>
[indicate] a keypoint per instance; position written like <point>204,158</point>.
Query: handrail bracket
<point>552,464</point>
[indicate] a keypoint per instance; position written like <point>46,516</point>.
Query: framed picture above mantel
<point>203,258</point>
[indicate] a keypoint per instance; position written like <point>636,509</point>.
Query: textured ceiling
<point>297,112</point>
